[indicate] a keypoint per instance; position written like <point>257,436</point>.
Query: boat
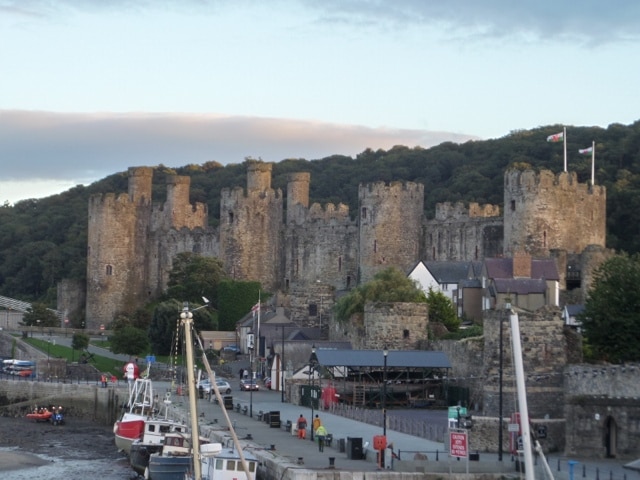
<point>226,464</point>
<point>139,408</point>
<point>174,459</point>
<point>189,456</point>
<point>42,414</point>
<point>152,439</point>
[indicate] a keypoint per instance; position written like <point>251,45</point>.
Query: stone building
<point>307,253</point>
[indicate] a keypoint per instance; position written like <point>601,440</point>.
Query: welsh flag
<point>586,151</point>
<point>558,137</point>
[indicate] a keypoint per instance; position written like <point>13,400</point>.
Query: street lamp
<point>312,366</point>
<point>282,367</point>
<point>385,353</point>
<point>250,382</point>
<point>38,322</point>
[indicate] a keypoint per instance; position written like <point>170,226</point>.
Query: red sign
<point>458,444</point>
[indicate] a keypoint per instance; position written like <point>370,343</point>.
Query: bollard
<point>300,460</point>
<point>273,446</point>
<point>437,455</point>
<point>597,473</point>
<point>558,464</point>
<point>332,462</point>
<point>584,471</point>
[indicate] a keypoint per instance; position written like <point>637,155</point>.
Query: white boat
<point>152,440</point>
<point>175,458</point>
<point>139,407</point>
<point>226,464</point>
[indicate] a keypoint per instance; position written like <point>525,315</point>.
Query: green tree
<point>442,310</point>
<point>38,315</point>
<point>165,324</point>
<point>193,276</point>
<point>389,285</point>
<point>80,341</point>
<point>611,318</point>
<point>129,340</point>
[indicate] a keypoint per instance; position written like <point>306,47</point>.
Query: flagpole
<point>593,163</point>
<point>564,137</point>
<point>259,308</point>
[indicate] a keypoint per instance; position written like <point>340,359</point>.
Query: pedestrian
<point>103,380</point>
<point>241,373</point>
<point>321,434</point>
<point>302,427</point>
<point>316,423</point>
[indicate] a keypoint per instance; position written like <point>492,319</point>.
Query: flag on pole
<point>255,308</point>
<point>586,151</point>
<point>558,137</point>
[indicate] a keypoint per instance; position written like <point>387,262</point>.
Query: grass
<point>103,364</point>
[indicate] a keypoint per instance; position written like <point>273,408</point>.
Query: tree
<point>38,315</point>
<point>129,340</point>
<point>80,341</point>
<point>611,318</point>
<point>389,285</point>
<point>442,310</point>
<point>164,324</point>
<point>193,276</point>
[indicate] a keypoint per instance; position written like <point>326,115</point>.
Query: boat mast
<point>187,321</point>
<point>522,395</point>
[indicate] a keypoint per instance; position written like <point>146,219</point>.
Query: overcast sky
<point>90,88</point>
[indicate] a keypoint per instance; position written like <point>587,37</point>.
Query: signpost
<point>458,445</point>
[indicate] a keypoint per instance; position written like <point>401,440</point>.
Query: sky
<point>92,87</point>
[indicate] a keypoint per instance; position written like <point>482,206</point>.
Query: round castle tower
<point>545,211</point>
<point>390,226</point>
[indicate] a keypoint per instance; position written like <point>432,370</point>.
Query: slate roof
<point>374,358</point>
<point>520,286</point>
<point>545,268</point>
<point>448,272</point>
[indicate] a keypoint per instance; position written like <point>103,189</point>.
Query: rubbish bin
<point>341,445</point>
<point>354,448</point>
<point>274,419</point>
<point>228,402</point>
<point>266,416</point>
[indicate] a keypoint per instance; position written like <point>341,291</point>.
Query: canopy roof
<point>375,358</point>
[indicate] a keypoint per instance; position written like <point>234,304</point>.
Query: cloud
<point>80,146</point>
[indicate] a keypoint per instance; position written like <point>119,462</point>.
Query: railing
<point>410,426</point>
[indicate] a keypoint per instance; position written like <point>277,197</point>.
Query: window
<point>513,205</point>
<point>405,333</point>
<point>230,218</point>
<point>339,264</point>
<point>109,270</point>
<point>231,464</point>
<point>363,213</point>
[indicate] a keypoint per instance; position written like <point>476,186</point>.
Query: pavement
<point>280,443</point>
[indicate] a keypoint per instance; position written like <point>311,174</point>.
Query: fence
<point>410,426</point>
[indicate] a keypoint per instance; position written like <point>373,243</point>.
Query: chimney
<point>521,265</point>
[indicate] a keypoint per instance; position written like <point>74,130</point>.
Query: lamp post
<point>38,322</point>
<point>282,368</point>
<point>250,382</point>
<point>312,366</point>
<point>385,353</point>
<point>507,306</point>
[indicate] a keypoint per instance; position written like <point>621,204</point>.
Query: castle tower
<point>177,211</point>
<point>297,194</point>
<point>116,266</point>
<point>390,226</point>
<point>250,225</point>
<point>543,211</point>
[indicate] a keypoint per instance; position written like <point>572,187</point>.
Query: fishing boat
<point>226,464</point>
<point>139,408</point>
<point>191,457</point>
<point>153,438</point>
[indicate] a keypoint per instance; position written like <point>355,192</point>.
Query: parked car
<point>267,383</point>
<point>232,348</point>
<point>223,386</point>
<point>247,384</point>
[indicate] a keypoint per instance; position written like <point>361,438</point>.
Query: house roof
<point>375,358</point>
<point>574,310</point>
<point>449,272</point>
<point>541,268</point>
<point>520,286</point>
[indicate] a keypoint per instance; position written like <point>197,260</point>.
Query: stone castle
<point>304,251</point>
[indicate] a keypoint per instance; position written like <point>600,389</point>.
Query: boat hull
<point>127,432</point>
<point>40,417</point>
<point>139,456</point>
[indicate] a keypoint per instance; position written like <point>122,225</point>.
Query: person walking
<point>316,423</point>
<point>321,434</point>
<point>302,427</point>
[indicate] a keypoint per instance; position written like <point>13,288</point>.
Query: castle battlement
<point>386,188</point>
<point>459,211</point>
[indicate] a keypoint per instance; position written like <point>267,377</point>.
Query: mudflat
<point>26,440</point>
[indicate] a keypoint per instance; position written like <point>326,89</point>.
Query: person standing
<point>321,434</point>
<point>316,423</point>
<point>302,427</point>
